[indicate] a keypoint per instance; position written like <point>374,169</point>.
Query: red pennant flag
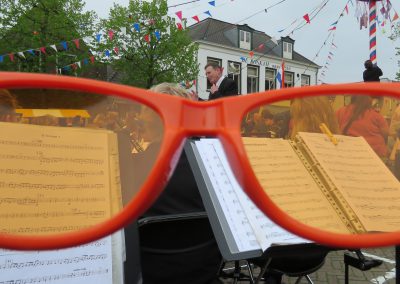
<point>196,18</point>
<point>11,55</point>
<point>261,46</point>
<point>147,38</point>
<point>43,50</point>
<point>332,29</point>
<point>110,34</point>
<point>92,59</point>
<point>74,66</point>
<point>395,17</point>
<point>179,15</point>
<point>347,9</point>
<point>251,53</point>
<point>307,18</point>
<point>116,50</point>
<point>180,27</point>
<point>194,82</point>
<point>76,41</point>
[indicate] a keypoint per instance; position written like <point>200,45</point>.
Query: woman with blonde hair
<point>308,113</point>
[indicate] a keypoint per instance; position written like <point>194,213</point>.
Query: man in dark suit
<point>221,86</point>
<point>372,72</point>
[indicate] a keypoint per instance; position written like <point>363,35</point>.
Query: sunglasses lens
<point>71,160</point>
<point>340,176</point>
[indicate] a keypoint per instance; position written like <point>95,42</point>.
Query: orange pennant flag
<point>395,17</point>
<point>251,53</point>
<point>76,41</point>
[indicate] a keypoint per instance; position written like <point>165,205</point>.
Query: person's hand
<point>193,95</point>
<point>213,89</point>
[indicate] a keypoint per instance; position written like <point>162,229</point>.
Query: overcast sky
<point>352,44</point>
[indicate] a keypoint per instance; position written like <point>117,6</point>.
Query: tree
<point>30,29</point>
<point>145,45</point>
<point>396,35</point>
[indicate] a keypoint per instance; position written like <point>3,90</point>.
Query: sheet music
<point>289,184</point>
<point>248,222</point>
<point>53,179</point>
<point>361,176</point>
<point>90,263</point>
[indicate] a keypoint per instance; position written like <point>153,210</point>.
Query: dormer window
<point>245,40</point>
<point>287,50</point>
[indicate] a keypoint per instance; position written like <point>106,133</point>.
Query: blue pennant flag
<point>107,52</point>
<point>208,13</point>
<point>136,26</point>
<point>212,3</point>
<point>31,52</point>
<point>157,34</point>
<point>1,58</point>
<point>85,61</point>
<point>98,36</point>
<point>64,44</point>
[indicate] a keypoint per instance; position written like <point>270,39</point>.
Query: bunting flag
<point>85,61</point>
<point>76,41</point>
<point>280,76</point>
<point>91,59</point>
<point>65,45</point>
<point>334,23</point>
<point>43,50</point>
<point>11,55</point>
<point>136,26</point>
<point>54,47</point>
<point>111,34</point>
<point>107,53</point>
<point>196,18</point>
<point>261,46</point>
<point>332,29</point>
<point>98,37</point>
<point>395,17</point>
<point>251,53</point>
<point>123,30</point>
<point>179,25</point>
<point>212,3</point>
<point>147,38</point>
<point>31,52</point>
<point>1,58</point>
<point>78,63</point>
<point>347,9</point>
<point>208,13</point>
<point>334,45</point>
<point>179,15</point>
<point>116,50</point>
<point>157,34</point>
<point>21,54</point>
<point>307,18</point>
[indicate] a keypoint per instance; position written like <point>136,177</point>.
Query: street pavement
<point>333,271</point>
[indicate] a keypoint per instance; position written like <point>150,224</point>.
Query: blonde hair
<point>171,89</point>
<point>308,113</point>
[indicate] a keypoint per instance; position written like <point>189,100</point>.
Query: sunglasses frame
<point>183,119</point>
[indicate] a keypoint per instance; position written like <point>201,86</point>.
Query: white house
<point>250,57</point>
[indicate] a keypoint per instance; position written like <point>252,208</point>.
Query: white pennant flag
<point>21,54</point>
<point>123,30</point>
<point>78,63</point>
<point>54,47</point>
<point>124,46</point>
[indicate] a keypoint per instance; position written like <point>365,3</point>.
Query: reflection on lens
<point>342,180</point>
<point>71,160</point>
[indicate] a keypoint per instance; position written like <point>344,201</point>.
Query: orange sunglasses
<point>58,182</point>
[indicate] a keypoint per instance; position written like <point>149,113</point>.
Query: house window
<point>234,72</point>
<point>305,80</point>
<point>270,75</point>
<point>289,79</point>
<point>252,79</point>
<point>212,60</point>
<point>287,50</point>
<point>245,40</point>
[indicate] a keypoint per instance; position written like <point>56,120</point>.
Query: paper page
<point>54,179</point>
<point>265,230</point>
<point>289,184</point>
<point>363,179</point>
<point>227,197</point>
<point>90,263</point>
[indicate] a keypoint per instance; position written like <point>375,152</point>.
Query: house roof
<point>226,34</point>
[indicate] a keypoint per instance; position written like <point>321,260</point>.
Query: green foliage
<point>396,35</point>
<point>32,24</point>
<point>172,58</point>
